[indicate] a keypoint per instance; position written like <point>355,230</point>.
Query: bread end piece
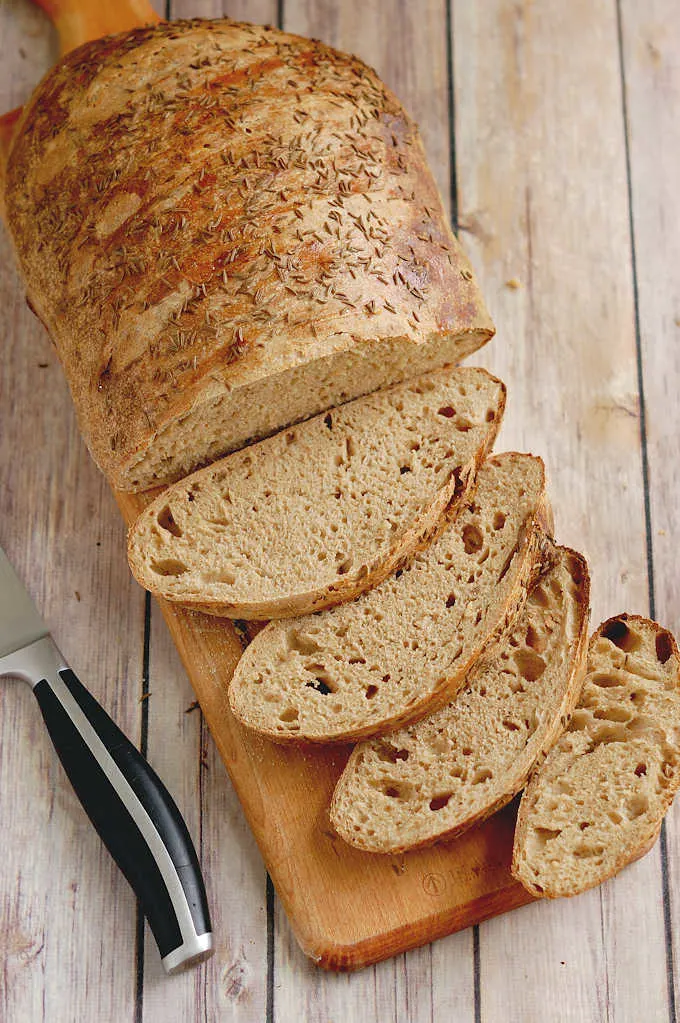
<point>597,802</point>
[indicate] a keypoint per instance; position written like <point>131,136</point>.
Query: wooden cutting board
<point>347,908</point>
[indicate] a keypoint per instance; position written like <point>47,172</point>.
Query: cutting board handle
<point>76,22</point>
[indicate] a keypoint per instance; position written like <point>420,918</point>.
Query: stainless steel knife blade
<point>20,623</point>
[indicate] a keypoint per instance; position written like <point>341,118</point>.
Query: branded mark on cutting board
<point>433,884</point>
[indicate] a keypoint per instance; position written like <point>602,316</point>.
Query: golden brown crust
<point>201,205</point>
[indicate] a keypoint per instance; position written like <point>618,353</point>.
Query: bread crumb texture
<point>399,650</point>
<point>454,768</point>
<point>598,800</point>
<point>226,228</point>
<point>317,514</point>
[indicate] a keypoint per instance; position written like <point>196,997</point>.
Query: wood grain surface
<point>563,181</point>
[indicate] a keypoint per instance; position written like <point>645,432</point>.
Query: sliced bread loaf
<point>597,802</point>
<point>454,768</point>
<point>316,515</point>
<point>405,647</point>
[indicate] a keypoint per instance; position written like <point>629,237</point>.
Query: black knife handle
<point>134,815</point>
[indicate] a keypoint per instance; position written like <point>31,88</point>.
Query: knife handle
<point>134,815</point>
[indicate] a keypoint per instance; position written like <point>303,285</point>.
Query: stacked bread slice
<point>420,608</point>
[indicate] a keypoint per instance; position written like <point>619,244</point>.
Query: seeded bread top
<point>202,204</point>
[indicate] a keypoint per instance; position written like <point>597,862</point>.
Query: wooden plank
<point>233,983</point>
<point>543,203</point>
<point>259,12</point>
<point>651,43</point>
<point>67,916</point>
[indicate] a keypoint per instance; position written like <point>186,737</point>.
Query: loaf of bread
<point>440,776</point>
<point>598,800</point>
<point>404,648</point>
<point>227,229</point>
<point>324,510</point>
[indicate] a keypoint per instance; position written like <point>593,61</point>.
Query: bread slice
<point>597,802</point>
<point>454,768</point>
<point>405,647</point>
<point>316,515</point>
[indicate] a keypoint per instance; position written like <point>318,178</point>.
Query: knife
<point>124,798</point>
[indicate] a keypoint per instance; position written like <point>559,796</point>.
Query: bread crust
<point>201,206</point>
<point>522,769</point>
<point>647,836</point>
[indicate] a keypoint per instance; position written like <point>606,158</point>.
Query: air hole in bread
<point>640,770</point>
<point>511,726</point>
<point>439,802</point>
<point>321,686</point>
<point>604,681</point>
<point>473,538</point>
<point>545,835</point>
<point>224,575</point>
<point>328,420</point>
<point>498,520</point>
<point>529,664</point>
<point>637,805</point>
<point>586,852</point>
<point>451,600</point>
<point>540,597</point>
<point>169,567</point>
<point>370,692</point>
<point>664,646</point>
<point>613,713</point>
<point>490,416</point>
<point>403,469</point>
<point>398,791</point>
<point>301,643</point>
<point>389,754</point>
<point>482,774</point>
<point>289,714</point>
<point>535,641</point>
<point>344,566</point>
<point>447,411</point>
<point>618,633</point>
<point>166,521</point>
<point>464,425</point>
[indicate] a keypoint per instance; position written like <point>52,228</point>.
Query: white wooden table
<point>554,132</point>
